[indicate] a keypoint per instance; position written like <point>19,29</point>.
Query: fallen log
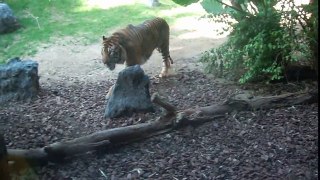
<point>173,119</point>
<point>59,151</point>
<point>246,102</point>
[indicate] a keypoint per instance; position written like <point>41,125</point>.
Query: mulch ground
<point>268,144</point>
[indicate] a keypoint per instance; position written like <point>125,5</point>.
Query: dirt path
<point>69,61</point>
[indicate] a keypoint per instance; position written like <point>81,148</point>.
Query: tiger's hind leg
<point>167,61</point>
<point>166,66</point>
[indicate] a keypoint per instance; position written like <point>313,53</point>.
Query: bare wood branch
<point>31,156</point>
<point>34,17</point>
<point>157,100</point>
<point>102,139</point>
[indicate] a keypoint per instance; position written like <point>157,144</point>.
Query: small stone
<point>265,157</point>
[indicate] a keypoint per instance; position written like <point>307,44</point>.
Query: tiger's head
<point>112,52</point>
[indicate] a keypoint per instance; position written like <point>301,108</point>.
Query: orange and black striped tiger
<point>135,44</point>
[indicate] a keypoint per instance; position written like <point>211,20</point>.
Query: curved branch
<point>155,98</point>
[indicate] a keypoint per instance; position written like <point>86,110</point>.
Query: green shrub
<point>262,43</point>
<point>184,2</point>
<point>211,6</point>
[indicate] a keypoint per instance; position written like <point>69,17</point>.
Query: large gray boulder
<point>130,94</point>
<point>19,80</point>
<point>8,22</point>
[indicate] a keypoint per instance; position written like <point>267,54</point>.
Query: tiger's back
<point>140,41</point>
<point>144,38</point>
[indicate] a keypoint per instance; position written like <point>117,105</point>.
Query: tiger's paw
<point>163,75</point>
<point>167,69</point>
<point>165,72</point>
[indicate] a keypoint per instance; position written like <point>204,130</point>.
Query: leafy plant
<point>263,41</point>
<point>185,2</point>
<point>212,6</point>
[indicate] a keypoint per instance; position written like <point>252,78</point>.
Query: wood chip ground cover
<point>269,144</point>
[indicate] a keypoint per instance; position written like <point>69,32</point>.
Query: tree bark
<point>4,168</point>
<point>173,119</point>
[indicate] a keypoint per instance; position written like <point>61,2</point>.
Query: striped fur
<point>135,44</point>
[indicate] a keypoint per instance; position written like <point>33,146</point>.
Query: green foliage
<point>212,6</point>
<point>45,21</point>
<point>185,2</point>
<point>263,41</point>
<point>310,29</point>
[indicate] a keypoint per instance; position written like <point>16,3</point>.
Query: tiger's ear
<point>104,38</point>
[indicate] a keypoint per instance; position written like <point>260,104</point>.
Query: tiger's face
<point>112,53</point>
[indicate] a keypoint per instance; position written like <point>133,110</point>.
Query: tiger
<point>135,44</point>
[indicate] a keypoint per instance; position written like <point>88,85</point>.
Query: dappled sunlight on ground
<point>106,4</point>
<point>188,27</point>
<point>193,28</point>
<point>287,6</point>
<point>194,8</point>
<point>68,60</point>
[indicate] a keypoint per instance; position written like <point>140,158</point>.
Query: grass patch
<point>44,21</point>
